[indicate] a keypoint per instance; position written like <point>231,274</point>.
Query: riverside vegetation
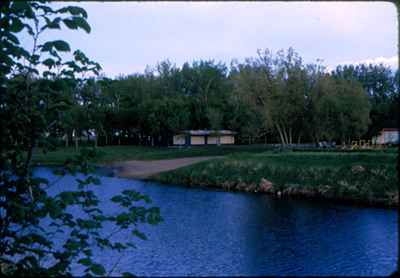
<point>362,176</point>
<point>359,177</point>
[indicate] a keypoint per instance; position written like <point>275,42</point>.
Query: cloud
<point>392,62</point>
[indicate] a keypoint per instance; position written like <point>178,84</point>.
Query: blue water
<point>215,233</point>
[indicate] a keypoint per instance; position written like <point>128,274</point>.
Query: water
<point>215,233</point>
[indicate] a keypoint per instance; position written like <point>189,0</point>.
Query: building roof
<point>202,132</point>
<point>389,129</point>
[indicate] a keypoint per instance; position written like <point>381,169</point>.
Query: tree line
<point>272,97</point>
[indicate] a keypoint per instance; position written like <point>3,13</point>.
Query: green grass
<point>367,177</point>
<point>119,153</point>
<point>320,159</point>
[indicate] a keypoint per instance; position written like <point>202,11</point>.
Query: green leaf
<point>70,23</point>
<point>49,62</point>
<point>119,246</point>
<point>93,180</point>
<point>139,234</point>
<point>85,261</point>
<point>16,25</point>
<point>76,22</point>
<point>74,10</point>
<point>52,24</point>
<point>121,218</point>
<point>127,274</point>
<point>87,252</point>
<point>19,6</point>
<point>67,197</point>
<point>61,45</point>
<point>12,38</point>
<point>117,199</point>
<point>45,9</point>
<point>58,45</point>
<point>72,245</point>
<point>97,269</point>
<point>82,23</point>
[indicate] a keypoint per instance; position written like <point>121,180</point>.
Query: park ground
<point>363,177</point>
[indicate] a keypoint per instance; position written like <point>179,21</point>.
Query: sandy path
<point>140,169</point>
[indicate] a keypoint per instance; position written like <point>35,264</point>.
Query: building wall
<point>227,139</point>
<point>197,140</point>
<point>212,140</point>
<point>387,137</point>
<point>179,139</point>
<point>391,137</point>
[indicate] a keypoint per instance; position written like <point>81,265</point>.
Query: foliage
<point>368,178</point>
<point>383,92</point>
<point>32,106</point>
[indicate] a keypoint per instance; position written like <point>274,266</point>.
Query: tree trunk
<point>76,143</point>
<point>280,134</point>
<point>66,139</point>
<point>299,139</point>
<point>285,135</point>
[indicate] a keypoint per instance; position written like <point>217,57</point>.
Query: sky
<point>128,36</point>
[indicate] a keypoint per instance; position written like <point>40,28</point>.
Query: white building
<point>387,136</point>
<point>204,137</point>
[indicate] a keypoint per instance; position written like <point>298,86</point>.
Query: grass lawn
<point>120,153</point>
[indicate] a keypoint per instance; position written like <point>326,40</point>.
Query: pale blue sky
<point>127,36</point>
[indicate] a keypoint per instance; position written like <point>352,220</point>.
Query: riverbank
<point>367,177</point>
<point>359,178</point>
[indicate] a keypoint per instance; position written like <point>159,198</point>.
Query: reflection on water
<point>207,233</point>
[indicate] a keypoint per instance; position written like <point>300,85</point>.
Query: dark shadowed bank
<point>359,178</point>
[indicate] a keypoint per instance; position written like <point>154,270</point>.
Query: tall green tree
<point>379,83</point>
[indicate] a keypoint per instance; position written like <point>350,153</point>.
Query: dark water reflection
<point>212,233</point>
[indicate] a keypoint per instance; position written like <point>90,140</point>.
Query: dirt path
<point>140,169</point>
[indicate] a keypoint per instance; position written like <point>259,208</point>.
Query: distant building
<point>204,137</point>
<point>387,136</point>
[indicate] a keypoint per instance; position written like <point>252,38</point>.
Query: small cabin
<point>204,137</point>
<point>387,136</point>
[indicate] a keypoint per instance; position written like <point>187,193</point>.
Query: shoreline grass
<point>369,179</point>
